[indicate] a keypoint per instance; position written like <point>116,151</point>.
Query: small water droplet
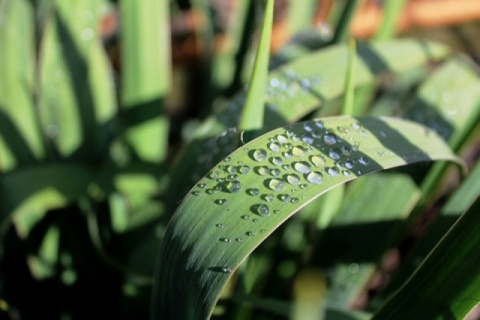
<point>238,239</point>
<point>286,167</point>
<point>259,155</point>
<point>293,179</point>
<point>274,147</point>
<point>287,155</point>
<point>250,233</point>
<point>276,161</point>
<point>262,209</point>
<point>307,126</point>
<point>263,231</point>
<point>315,177</point>
<point>213,175</point>
<point>245,217</point>
<point>346,173</point>
<point>202,185</point>
<point>334,153</point>
<point>319,124</point>
<point>275,184</point>
<point>284,197</point>
<point>268,197</point>
<point>225,240</point>
<point>255,220</point>
<point>195,193</point>
<point>228,159</point>
<point>233,186</point>
<point>303,186</point>
<point>364,161</point>
<point>348,164</point>
<point>262,170</point>
<point>294,200</point>
<point>219,225</point>
<point>363,132</point>
<point>333,171</point>
<point>356,125</point>
<point>318,161</point>
<point>275,172</point>
<point>307,138</point>
<point>302,167</point>
<point>288,146</point>
<point>329,138</point>
<point>276,211</point>
<point>346,151</point>
<point>244,169</point>
<point>253,192</point>
<point>226,270</point>
<point>221,202</point>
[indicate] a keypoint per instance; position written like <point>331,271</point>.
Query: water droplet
<point>268,197</point>
<point>245,217</point>
<point>330,139</point>
<point>253,192</point>
<point>287,155</point>
<point>346,173</point>
<point>315,177</point>
<point>333,171</point>
<point>295,138</point>
<point>348,164</point>
<point>303,186</point>
<point>226,270</point>
<point>244,169</point>
<point>282,139</point>
<point>195,193</point>
<point>274,147</point>
<point>250,233</point>
<point>302,167</point>
<point>356,125</point>
<point>318,161</point>
<point>288,146</point>
<point>276,211</point>
<point>225,240</point>
<point>364,161</point>
<point>317,134</point>
<point>275,185</point>
<point>262,210</point>
<point>293,179</point>
<point>213,175</point>
<point>334,153</point>
<point>228,159</point>
<point>202,185</point>
<point>262,170</point>
<point>356,146</point>
<point>232,186</point>
<point>284,197</point>
<point>346,151</point>
<point>363,132</point>
<point>286,167</point>
<point>383,134</point>
<point>276,161</point>
<point>219,225</point>
<point>307,126</point>
<point>259,155</point>
<point>275,172</point>
<point>221,202</point>
<point>255,220</point>
<point>238,239</point>
<point>294,200</point>
<point>319,124</point>
<point>298,151</point>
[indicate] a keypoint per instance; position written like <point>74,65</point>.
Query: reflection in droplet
<point>263,170</point>
<point>334,153</point>
<point>244,169</point>
<point>275,172</point>
<point>282,139</point>
<point>298,151</point>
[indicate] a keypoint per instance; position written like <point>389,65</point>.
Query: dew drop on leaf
<point>225,240</point>
<point>219,225</point>
<point>315,177</point>
<point>284,197</point>
<point>213,175</point>
<point>276,211</point>
<point>221,202</point>
<point>275,185</point>
<point>302,167</point>
<point>282,139</point>
<point>276,161</point>
<point>238,239</point>
<point>262,170</point>
<point>330,139</point>
<point>250,233</point>
<point>202,185</point>
<point>298,151</point>
<point>259,155</point>
<point>307,126</point>
<point>294,200</point>
<point>245,217</point>
<point>274,147</point>
<point>318,161</point>
<point>334,153</point>
<point>275,172</point>
<point>195,193</point>
<point>226,270</point>
<point>244,169</point>
<point>333,171</point>
<point>262,210</point>
<point>233,186</point>
<point>253,192</point>
<point>364,161</point>
<point>293,179</point>
<point>348,164</point>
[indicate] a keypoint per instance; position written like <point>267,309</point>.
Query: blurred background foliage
<point>98,100</point>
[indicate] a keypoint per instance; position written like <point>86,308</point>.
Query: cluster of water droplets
<point>291,162</point>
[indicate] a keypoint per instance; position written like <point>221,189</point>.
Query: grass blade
<point>248,195</point>
<point>349,79</point>
<point>252,116</point>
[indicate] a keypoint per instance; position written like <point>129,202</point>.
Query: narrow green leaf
<point>253,110</point>
<point>255,189</point>
<point>146,75</point>
<point>342,29</point>
<point>391,12</point>
<point>349,79</point>
<point>446,285</point>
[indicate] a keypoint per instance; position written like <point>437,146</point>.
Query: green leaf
<point>248,195</point>
<point>253,110</point>
<point>146,75</point>
<point>446,285</point>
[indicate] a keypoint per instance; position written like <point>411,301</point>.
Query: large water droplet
<point>329,138</point>
<point>302,167</point>
<point>315,177</point>
<point>334,153</point>
<point>346,151</point>
<point>274,147</point>
<point>282,139</point>
<point>318,161</point>
<point>333,171</point>
<point>276,161</point>
<point>262,170</point>
<point>275,185</point>
<point>293,179</point>
<point>262,210</point>
<point>244,169</point>
<point>298,151</point>
<point>259,155</point>
<point>275,172</point>
<point>364,161</point>
<point>233,186</point>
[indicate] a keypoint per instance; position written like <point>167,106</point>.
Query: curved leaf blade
<point>248,195</point>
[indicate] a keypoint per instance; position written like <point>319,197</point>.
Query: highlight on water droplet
<point>195,193</point>
<point>307,126</point>
<point>259,155</point>
<point>243,169</point>
<point>226,270</point>
<point>245,217</point>
<point>238,239</point>
<point>275,184</point>
<point>315,177</point>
